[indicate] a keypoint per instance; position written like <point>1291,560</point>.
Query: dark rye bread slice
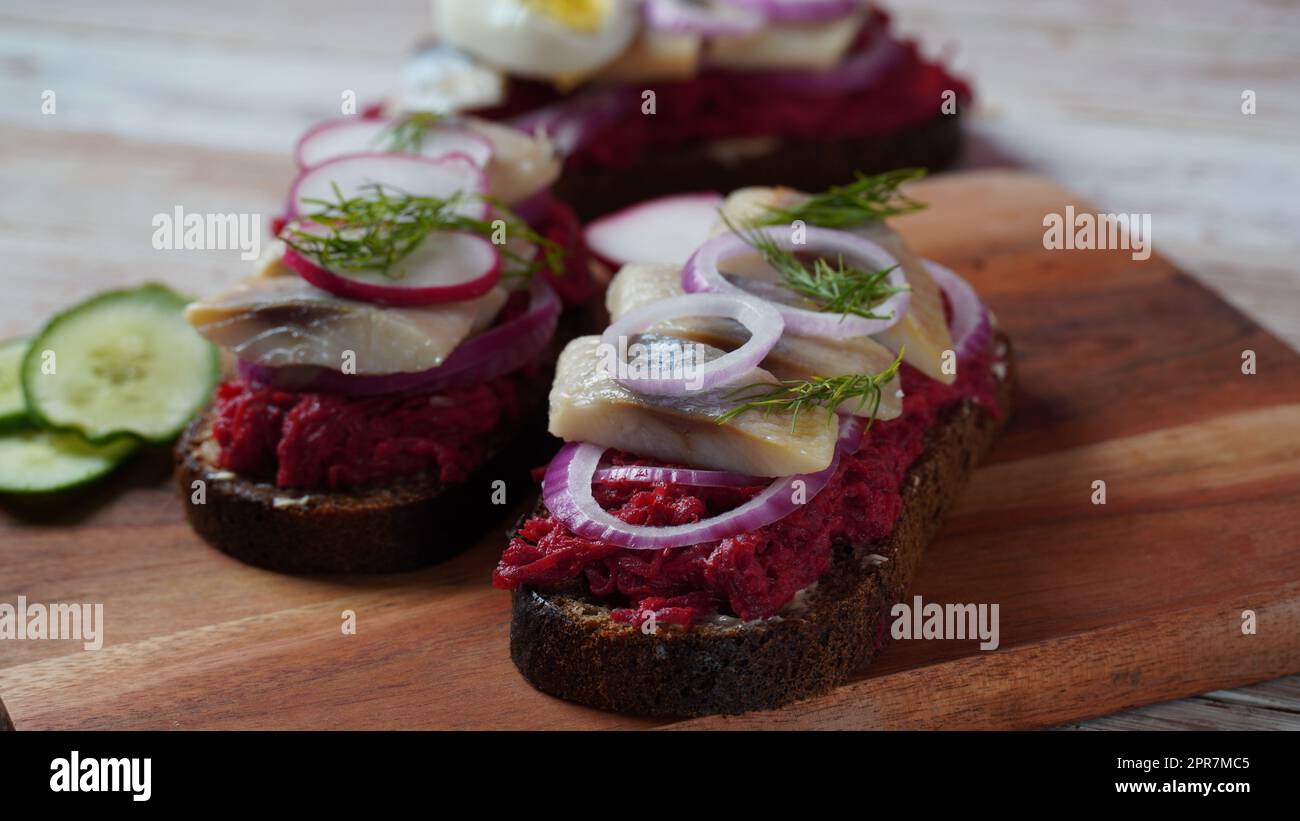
<point>803,165</point>
<point>401,526</point>
<point>410,523</point>
<point>565,643</point>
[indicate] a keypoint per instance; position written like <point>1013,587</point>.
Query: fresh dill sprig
<point>799,395</point>
<point>371,232</point>
<point>551,253</point>
<point>405,135</point>
<point>381,226</point>
<point>841,289</point>
<point>867,199</point>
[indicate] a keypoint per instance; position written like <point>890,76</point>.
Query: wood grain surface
<point>1130,374</point>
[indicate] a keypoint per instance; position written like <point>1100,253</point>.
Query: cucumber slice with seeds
<point>42,461</point>
<point>13,407</point>
<point>124,362</point>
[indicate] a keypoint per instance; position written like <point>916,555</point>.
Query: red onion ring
<point>573,123</point>
<point>677,476</point>
<point>971,327</point>
<point>864,68</point>
<point>701,274</point>
<point>566,489</point>
<point>534,209</point>
<point>802,11</point>
<point>760,318</point>
<point>851,430</point>
<point>720,17</point>
<point>495,352</point>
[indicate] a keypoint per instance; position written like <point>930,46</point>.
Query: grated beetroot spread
<point>752,575</point>
<point>561,225</point>
<point>329,442</point>
<point>322,441</point>
<point>718,104</point>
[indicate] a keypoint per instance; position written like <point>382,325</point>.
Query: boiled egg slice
<point>557,40</point>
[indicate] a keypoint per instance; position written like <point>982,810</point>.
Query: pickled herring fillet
<point>923,330</point>
<point>794,357</point>
<point>278,321</point>
<point>589,405</point>
<point>522,165</point>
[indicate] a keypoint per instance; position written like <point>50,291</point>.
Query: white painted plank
<point>172,91</point>
<point>286,25</point>
<point>1272,705</point>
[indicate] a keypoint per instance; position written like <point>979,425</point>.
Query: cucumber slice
<point>124,362</point>
<point>42,461</point>
<point>13,407</point>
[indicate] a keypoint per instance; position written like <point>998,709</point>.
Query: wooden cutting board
<point>1131,374</point>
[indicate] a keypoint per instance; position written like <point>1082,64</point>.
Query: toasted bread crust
<point>414,522</point>
<point>804,165</point>
<point>411,523</point>
<point>565,644</point>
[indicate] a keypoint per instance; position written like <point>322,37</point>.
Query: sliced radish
<point>357,135</point>
<point>447,266</point>
<point>665,230</point>
<point>443,177</point>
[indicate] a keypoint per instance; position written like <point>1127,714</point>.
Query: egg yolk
<point>580,15</point>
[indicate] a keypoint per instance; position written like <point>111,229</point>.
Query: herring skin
<point>794,357</point>
<point>564,642</point>
<point>589,405</point>
<point>281,321</point>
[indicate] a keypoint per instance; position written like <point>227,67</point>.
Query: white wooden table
<point>1135,104</point>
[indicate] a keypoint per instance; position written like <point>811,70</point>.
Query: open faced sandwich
<point>757,450</point>
<point>651,97</point>
<point>390,354</point>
